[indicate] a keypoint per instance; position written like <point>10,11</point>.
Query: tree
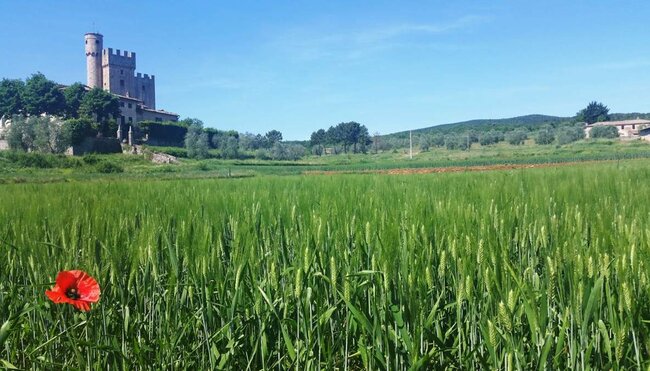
<point>196,141</point>
<point>570,134</point>
<point>425,142</point>
<point>48,136</point>
<point>491,137</point>
<point>273,137</point>
<point>230,147</point>
<point>73,95</point>
<point>516,137</point>
<point>376,138</point>
<point>11,97</point>
<point>595,112</point>
<point>317,140</point>
<point>281,151</point>
<point>43,96</point>
<point>438,140</point>
<point>20,136</point>
<point>103,107</point>
<point>454,141</point>
<point>545,136</point>
<point>76,130</point>
<point>37,133</point>
<point>603,132</point>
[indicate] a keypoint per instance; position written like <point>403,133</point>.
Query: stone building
<point>627,129</point>
<point>114,71</point>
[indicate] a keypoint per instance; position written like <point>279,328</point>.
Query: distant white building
<point>627,129</point>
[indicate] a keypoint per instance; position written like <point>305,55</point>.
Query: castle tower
<point>119,72</point>
<point>94,46</point>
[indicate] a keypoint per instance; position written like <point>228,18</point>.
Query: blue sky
<point>298,66</point>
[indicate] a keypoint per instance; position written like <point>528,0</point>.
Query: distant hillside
<point>628,116</point>
<point>529,122</point>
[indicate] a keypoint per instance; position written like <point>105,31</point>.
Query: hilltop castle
<point>114,71</point>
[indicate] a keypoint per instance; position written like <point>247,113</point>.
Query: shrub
<point>516,137</point>
<point>173,151</point>
<point>90,160</point>
<point>568,135</point>
<point>603,132</point>
<point>39,160</point>
<point>545,136</point>
<point>262,154</point>
<point>76,130</point>
<point>457,142</point>
<point>491,137</point>
<point>108,167</point>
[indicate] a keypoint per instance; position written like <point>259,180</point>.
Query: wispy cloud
<point>623,65</point>
<point>356,44</point>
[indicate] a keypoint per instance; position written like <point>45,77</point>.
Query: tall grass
<point>542,269</point>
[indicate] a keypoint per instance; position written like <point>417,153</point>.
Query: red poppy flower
<point>76,288</point>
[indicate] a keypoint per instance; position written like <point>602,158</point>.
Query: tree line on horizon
<point>82,113</point>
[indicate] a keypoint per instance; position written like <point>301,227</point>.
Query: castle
<point>114,71</point>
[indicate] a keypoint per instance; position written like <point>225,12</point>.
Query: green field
<point>34,167</point>
<point>524,269</point>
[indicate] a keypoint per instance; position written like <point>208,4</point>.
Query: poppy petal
<point>55,296</point>
<point>88,289</point>
<point>65,280</point>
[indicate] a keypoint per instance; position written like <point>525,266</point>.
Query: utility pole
<point>411,144</point>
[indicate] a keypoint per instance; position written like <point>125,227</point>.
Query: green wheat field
<point>523,269</point>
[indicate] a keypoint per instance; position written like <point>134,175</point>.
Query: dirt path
<point>451,169</point>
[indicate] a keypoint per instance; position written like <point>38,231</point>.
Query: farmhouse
<point>627,129</point>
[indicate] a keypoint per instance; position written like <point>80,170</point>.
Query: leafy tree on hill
<point>603,132</point>
<point>454,141</point>
<point>43,96</point>
<point>438,140</point>
<point>318,140</point>
<point>103,107</point>
<point>76,130</point>
<point>516,137</point>
<point>36,133</point>
<point>545,136</point>
<point>425,143</point>
<point>196,141</point>
<point>569,134</point>
<point>20,136</point>
<point>594,112</point>
<point>11,97</point>
<point>349,134</point>
<point>274,136</point>
<point>73,95</point>
<point>230,147</point>
<point>252,142</point>
<point>491,137</point>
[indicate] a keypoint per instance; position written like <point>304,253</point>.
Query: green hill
<point>529,122</point>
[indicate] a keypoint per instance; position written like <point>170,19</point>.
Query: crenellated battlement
<point>117,52</point>
<point>145,76</point>
<point>118,57</point>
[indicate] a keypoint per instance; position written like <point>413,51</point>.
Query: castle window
<point>121,72</point>
<point>121,104</point>
<point>130,105</point>
<point>130,119</point>
<point>121,83</point>
<point>96,41</point>
<point>158,119</point>
<point>142,87</point>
